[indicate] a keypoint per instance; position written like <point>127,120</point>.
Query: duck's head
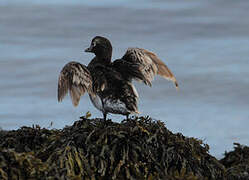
<point>101,47</point>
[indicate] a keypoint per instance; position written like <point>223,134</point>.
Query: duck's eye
<point>93,44</point>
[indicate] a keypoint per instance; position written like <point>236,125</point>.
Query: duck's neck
<point>104,58</point>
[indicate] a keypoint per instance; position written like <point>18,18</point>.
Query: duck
<point>109,83</point>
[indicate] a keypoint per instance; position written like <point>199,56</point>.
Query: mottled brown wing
<point>147,65</point>
<point>75,78</point>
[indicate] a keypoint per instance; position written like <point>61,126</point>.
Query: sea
<point>204,43</point>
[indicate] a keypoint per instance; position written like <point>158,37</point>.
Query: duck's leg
<point>105,115</point>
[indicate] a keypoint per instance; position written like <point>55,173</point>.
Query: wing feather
<point>75,78</point>
<point>145,65</point>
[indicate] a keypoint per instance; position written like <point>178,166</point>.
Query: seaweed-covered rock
<point>14,165</point>
<point>138,148</point>
<point>237,162</point>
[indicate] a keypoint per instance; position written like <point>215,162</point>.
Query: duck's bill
<point>88,49</point>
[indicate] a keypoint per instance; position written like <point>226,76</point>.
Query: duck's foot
<point>104,115</point>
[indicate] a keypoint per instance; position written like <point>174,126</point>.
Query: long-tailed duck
<point>109,84</point>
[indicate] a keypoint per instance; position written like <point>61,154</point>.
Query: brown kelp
<point>137,148</point>
<point>237,162</point>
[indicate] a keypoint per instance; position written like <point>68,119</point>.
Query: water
<point>205,44</point>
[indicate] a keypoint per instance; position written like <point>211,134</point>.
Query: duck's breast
<point>97,102</point>
<point>115,106</point>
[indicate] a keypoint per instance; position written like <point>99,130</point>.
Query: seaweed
<point>137,148</point>
<point>237,162</point>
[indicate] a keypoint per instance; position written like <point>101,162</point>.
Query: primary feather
<point>75,78</point>
<point>146,65</point>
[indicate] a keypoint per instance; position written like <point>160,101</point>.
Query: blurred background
<point>204,43</point>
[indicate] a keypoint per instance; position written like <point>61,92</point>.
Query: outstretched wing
<point>143,65</point>
<point>76,78</point>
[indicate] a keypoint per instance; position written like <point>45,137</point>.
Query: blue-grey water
<point>204,43</point>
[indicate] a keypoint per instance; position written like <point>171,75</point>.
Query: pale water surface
<point>205,44</point>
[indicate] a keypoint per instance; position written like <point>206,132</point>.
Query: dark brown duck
<point>109,84</point>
